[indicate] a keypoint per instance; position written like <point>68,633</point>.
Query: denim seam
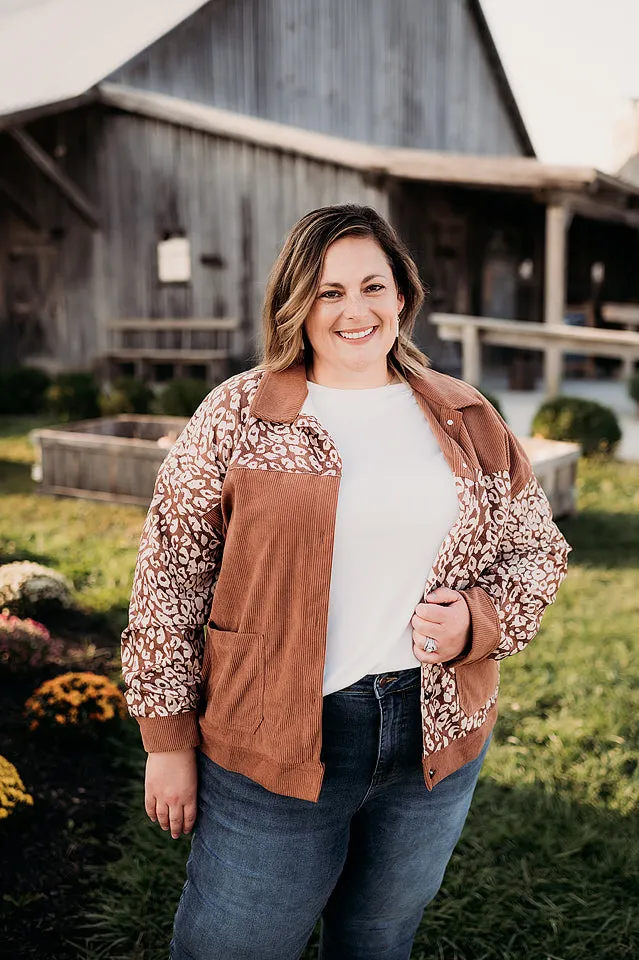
<point>379,753</point>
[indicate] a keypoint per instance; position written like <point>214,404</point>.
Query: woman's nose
<point>354,306</point>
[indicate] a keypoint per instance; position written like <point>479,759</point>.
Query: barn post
<point>557,219</point>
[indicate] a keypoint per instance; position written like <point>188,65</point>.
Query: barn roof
<point>52,52</point>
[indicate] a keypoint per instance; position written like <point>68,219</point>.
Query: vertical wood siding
<point>411,73</point>
<point>235,202</point>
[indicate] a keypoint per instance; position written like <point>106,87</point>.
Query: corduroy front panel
<point>274,583</point>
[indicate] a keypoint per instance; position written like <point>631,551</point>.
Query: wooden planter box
<point>555,465</point>
<point>113,459</point>
<point>117,459</point>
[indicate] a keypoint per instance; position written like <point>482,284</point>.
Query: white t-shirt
<point>397,501</point>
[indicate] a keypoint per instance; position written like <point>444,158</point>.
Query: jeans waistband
<point>379,684</point>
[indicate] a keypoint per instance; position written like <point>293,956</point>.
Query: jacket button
<point>450,422</point>
<point>431,773</point>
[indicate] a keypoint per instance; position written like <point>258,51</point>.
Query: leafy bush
<point>74,396</point>
<point>126,395</point>
<point>591,424</point>
<point>27,588</point>
<point>633,387</point>
<point>25,644</point>
<point>12,790</point>
<point>84,701</point>
<point>181,398</point>
<point>22,390</point>
<point>495,402</point>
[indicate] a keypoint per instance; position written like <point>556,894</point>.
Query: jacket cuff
<point>165,734</point>
<point>485,632</point>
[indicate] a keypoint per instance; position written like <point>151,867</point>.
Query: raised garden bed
<point>117,459</point>
<point>555,465</point>
<point>112,458</point>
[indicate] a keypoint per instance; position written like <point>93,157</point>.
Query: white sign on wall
<point>174,260</point>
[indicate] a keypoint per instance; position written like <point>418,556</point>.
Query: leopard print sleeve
<point>508,599</point>
<point>176,569</point>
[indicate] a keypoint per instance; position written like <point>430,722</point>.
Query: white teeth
<point>356,336</point>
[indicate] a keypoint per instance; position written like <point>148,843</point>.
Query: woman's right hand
<point>170,790</point>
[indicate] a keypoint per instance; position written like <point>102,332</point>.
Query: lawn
<point>546,868</point>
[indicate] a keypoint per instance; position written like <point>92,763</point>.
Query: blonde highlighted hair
<point>294,280</point>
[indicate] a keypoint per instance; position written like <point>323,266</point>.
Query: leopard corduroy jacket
<point>239,539</point>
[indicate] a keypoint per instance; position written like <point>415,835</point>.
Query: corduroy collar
<point>281,394</point>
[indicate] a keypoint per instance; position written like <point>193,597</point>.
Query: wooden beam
<point>627,313</point>
<point>29,114</point>
<point>23,209</point>
<point>594,206</point>
<point>167,355</point>
<point>554,291</point>
<point>199,323</point>
<point>41,159</point>
<point>471,355</point>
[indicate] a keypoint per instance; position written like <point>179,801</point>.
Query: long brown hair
<point>294,280</point>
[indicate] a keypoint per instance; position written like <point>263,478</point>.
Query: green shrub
<point>126,395</point>
<point>22,390</point>
<point>74,396</point>
<point>633,387</point>
<point>591,424</point>
<point>492,399</point>
<point>181,398</point>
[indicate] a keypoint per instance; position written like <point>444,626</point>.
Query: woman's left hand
<point>446,618</point>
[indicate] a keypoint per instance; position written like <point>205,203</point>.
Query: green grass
<point>546,868</point>
<point>93,544</point>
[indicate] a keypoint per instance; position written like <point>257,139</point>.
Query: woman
<point>364,540</point>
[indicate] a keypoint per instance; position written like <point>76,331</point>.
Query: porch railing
<point>553,339</point>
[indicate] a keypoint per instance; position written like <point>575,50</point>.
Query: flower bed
<point>25,644</point>
<point>12,790</point>
<point>75,700</point>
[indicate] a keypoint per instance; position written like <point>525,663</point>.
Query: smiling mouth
<point>357,334</point>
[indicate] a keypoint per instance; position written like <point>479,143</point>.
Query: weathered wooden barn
<point>142,204</point>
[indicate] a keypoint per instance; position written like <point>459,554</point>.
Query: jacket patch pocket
<point>476,684</point>
<point>233,675</point>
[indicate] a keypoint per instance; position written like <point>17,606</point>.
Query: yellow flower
<point>73,698</point>
<point>12,789</point>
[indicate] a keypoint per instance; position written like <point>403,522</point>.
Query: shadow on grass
<point>13,556</point>
<point>601,539</point>
<point>535,875</point>
<point>15,477</point>
<point>19,426</point>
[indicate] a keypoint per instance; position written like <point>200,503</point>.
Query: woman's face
<point>356,294</point>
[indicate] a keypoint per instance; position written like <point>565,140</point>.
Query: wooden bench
<point>554,340</point>
<point>145,344</point>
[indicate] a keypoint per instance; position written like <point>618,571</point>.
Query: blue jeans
<point>367,857</point>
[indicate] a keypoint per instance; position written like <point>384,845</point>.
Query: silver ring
<point>430,645</point>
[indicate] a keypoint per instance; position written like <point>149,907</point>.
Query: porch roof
<point>595,193</point>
